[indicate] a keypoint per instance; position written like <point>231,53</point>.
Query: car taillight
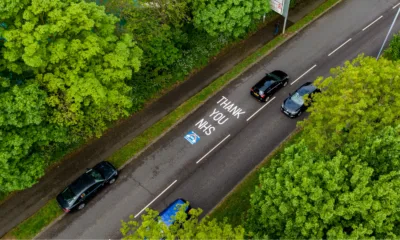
<point>251,89</point>
<point>262,95</point>
<point>66,210</point>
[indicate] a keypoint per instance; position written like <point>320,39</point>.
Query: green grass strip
<point>33,225</point>
<point>149,135</point>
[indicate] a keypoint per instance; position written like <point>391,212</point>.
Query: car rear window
<point>68,195</point>
<point>265,84</point>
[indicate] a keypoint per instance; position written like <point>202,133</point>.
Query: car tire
<point>299,114</point>
<point>112,180</point>
<point>81,206</point>
<point>285,83</point>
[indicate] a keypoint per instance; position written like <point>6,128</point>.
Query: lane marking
<point>339,47</point>
<point>372,22</point>
<point>395,6</point>
<point>155,198</point>
<point>302,75</point>
<point>213,149</point>
<point>260,109</point>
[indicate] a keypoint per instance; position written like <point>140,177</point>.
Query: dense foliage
<point>185,227</point>
<point>63,78</point>
<point>353,194</point>
<point>393,51</point>
<point>359,98</point>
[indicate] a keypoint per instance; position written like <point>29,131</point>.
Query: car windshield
<point>297,98</point>
<point>96,175</point>
<point>68,195</point>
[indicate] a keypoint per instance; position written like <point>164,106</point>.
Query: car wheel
<point>299,114</point>
<point>285,83</point>
<point>81,206</point>
<point>111,181</point>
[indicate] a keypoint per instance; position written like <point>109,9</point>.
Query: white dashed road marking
<point>155,198</point>
<point>372,22</point>
<point>339,47</point>
<point>213,148</point>
<point>260,109</point>
<point>302,75</point>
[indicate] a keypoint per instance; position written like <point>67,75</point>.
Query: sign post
<point>281,7</point>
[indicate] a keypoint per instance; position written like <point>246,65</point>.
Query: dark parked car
<point>85,187</point>
<point>295,104</point>
<point>169,213</point>
<point>269,84</point>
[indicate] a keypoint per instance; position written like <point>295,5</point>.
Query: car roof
<point>168,214</point>
<point>82,183</point>
<point>306,88</point>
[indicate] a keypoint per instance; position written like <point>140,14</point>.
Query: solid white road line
<point>302,75</point>
<point>213,149</point>
<point>260,109</point>
<point>155,198</point>
<point>339,47</point>
<point>395,6</point>
<point>372,22</point>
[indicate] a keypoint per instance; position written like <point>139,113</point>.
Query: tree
<point>304,194</point>
<point>393,51</point>
<point>226,16</point>
<point>63,79</point>
<point>72,49</point>
<point>157,29</point>
<point>360,97</point>
<point>184,227</point>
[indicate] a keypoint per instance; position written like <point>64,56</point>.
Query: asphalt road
<point>239,140</point>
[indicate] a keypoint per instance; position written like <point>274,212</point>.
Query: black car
<point>82,189</point>
<point>295,104</point>
<point>269,84</point>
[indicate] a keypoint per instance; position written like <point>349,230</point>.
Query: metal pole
<point>387,36</point>
<point>286,9</point>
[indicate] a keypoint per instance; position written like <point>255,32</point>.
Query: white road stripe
<point>339,47</point>
<point>155,198</point>
<point>260,109</point>
<point>395,6</point>
<point>302,75</point>
<point>213,149</point>
<point>372,22</point>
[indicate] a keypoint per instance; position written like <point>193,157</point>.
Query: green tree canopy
<point>361,97</point>
<point>63,78</point>
<point>227,16</point>
<point>393,51</point>
<point>184,227</point>
<point>304,194</point>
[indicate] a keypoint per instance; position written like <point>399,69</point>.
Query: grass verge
<point>139,143</point>
<point>235,205</point>
<point>33,225</point>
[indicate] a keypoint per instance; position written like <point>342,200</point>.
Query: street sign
<point>278,6</point>
<point>192,137</point>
